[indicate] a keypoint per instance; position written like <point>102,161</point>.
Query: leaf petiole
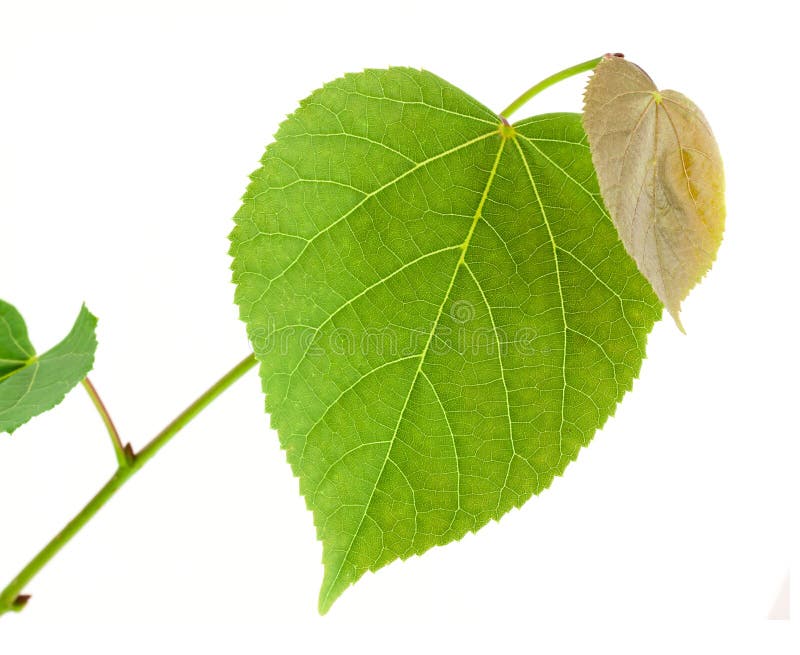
<point>547,82</point>
<point>11,598</point>
<point>124,454</point>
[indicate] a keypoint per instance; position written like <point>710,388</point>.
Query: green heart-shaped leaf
<point>441,306</point>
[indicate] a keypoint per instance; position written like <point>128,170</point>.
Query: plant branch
<point>547,82</point>
<point>11,598</point>
<point>124,455</point>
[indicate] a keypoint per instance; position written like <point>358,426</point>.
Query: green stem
<point>541,86</point>
<point>123,455</point>
<point>11,599</point>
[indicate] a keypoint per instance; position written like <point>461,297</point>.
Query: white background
<point>127,132</point>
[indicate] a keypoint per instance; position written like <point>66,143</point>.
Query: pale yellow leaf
<point>660,174</point>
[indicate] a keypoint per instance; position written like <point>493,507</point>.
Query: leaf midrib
<point>459,263</point>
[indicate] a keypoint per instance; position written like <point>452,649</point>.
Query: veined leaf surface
<point>441,306</point>
<point>31,384</point>
<point>660,172</point>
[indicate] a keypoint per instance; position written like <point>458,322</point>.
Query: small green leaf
<point>441,306</point>
<point>661,175</point>
<point>30,385</point>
